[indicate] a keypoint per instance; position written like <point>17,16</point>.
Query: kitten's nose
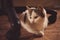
<point>32,21</point>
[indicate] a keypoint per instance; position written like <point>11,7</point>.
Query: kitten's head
<point>34,14</point>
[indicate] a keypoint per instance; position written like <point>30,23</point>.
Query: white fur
<point>45,24</point>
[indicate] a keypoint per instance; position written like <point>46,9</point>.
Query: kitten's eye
<point>36,17</point>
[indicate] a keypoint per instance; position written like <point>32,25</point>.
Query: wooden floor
<point>51,33</point>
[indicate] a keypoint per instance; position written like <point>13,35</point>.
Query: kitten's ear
<point>42,11</point>
<point>28,7</point>
<point>40,8</point>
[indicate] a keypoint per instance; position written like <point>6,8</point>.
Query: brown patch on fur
<point>39,12</point>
